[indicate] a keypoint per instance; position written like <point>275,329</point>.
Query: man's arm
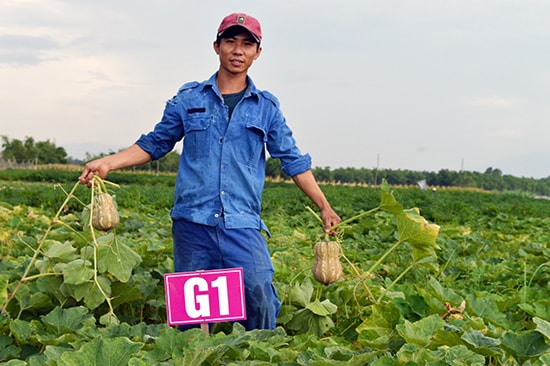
<point>307,183</point>
<point>134,155</point>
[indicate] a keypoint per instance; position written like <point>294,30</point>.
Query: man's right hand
<point>95,167</point>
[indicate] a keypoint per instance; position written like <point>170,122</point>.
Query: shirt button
<point>216,215</point>
<point>223,192</point>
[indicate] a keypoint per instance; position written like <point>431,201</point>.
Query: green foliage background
<point>493,256</point>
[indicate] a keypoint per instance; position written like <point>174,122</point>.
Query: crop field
<point>457,277</point>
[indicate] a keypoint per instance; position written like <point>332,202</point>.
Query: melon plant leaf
<point>170,340</point>
<point>484,306</point>
<point>478,339</point>
<point>543,360</point>
<point>526,344</point>
<point>388,202</point>
<point>67,320</point>
<point>28,298</point>
<point>305,321</point>
<point>23,331</point>
<point>116,258</point>
<point>414,229</point>
<point>378,330</point>
<point>421,331</point>
<point>3,289</point>
<point>461,355</point>
<point>77,272</point>
<point>62,251</point>
<point>301,293</point>
<point>89,292</point>
<point>426,257</point>
<point>443,294</point>
<point>539,308</point>
<point>543,326</point>
<point>322,308</point>
<point>111,352</point>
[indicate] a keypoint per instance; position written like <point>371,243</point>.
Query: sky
<point>416,85</point>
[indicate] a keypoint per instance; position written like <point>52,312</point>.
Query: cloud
<point>24,50</point>
<point>495,101</point>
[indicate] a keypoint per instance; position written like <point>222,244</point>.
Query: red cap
<point>249,23</point>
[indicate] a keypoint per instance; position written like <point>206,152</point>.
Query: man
<point>227,124</point>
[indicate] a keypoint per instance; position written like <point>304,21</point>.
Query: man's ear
<point>216,48</point>
<point>258,53</point>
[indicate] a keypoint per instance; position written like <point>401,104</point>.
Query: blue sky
<point>419,85</point>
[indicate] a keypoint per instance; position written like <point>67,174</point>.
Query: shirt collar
<point>250,89</point>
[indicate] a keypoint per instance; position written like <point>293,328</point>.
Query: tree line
<point>46,152</point>
<point>30,152</point>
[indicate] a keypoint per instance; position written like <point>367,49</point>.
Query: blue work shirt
<point>222,166</point>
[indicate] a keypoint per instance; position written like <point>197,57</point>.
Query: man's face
<point>237,53</point>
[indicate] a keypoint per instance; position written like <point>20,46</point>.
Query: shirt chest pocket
<point>252,143</point>
<point>196,142</point>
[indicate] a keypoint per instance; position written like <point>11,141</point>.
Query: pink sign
<point>205,296</point>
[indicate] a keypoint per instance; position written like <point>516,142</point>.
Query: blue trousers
<point>201,247</point>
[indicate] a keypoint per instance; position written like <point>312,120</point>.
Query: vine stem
<point>53,222</point>
<point>381,259</point>
<point>359,276</point>
<point>99,184</point>
<point>384,291</point>
<point>345,222</point>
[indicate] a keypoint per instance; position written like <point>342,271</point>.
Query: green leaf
<point>388,201</point>
<point>301,293</point>
<point>109,319</point>
<point>378,330</point>
<point>526,344</point>
<point>116,258</point>
<point>414,229</point>
<point>55,352</point>
<point>421,331</point>
<point>109,352</point>
<point>485,306</point>
<point>482,344</point>
<point>169,341</point>
<point>23,331</point>
<point>426,257</point>
<point>543,360</point>
<point>77,272</point>
<point>89,292</point>
<point>61,321</point>
<point>306,321</point>
<point>4,279</point>
<point>412,354</point>
<point>539,308</point>
<point>461,355</point>
<point>478,339</point>
<point>436,295</point>
<point>7,349</point>
<point>63,251</point>
<point>543,326</point>
<point>322,308</point>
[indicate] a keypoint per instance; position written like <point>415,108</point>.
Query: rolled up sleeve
<point>166,133</point>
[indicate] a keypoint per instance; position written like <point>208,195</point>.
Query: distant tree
<point>323,174</point>
<point>273,168</point>
<point>48,153</point>
<point>13,150</point>
<point>170,162</point>
<point>494,172</point>
<point>448,178</point>
<point>42,152</point>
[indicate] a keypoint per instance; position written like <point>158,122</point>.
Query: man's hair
<point>232,32</point>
